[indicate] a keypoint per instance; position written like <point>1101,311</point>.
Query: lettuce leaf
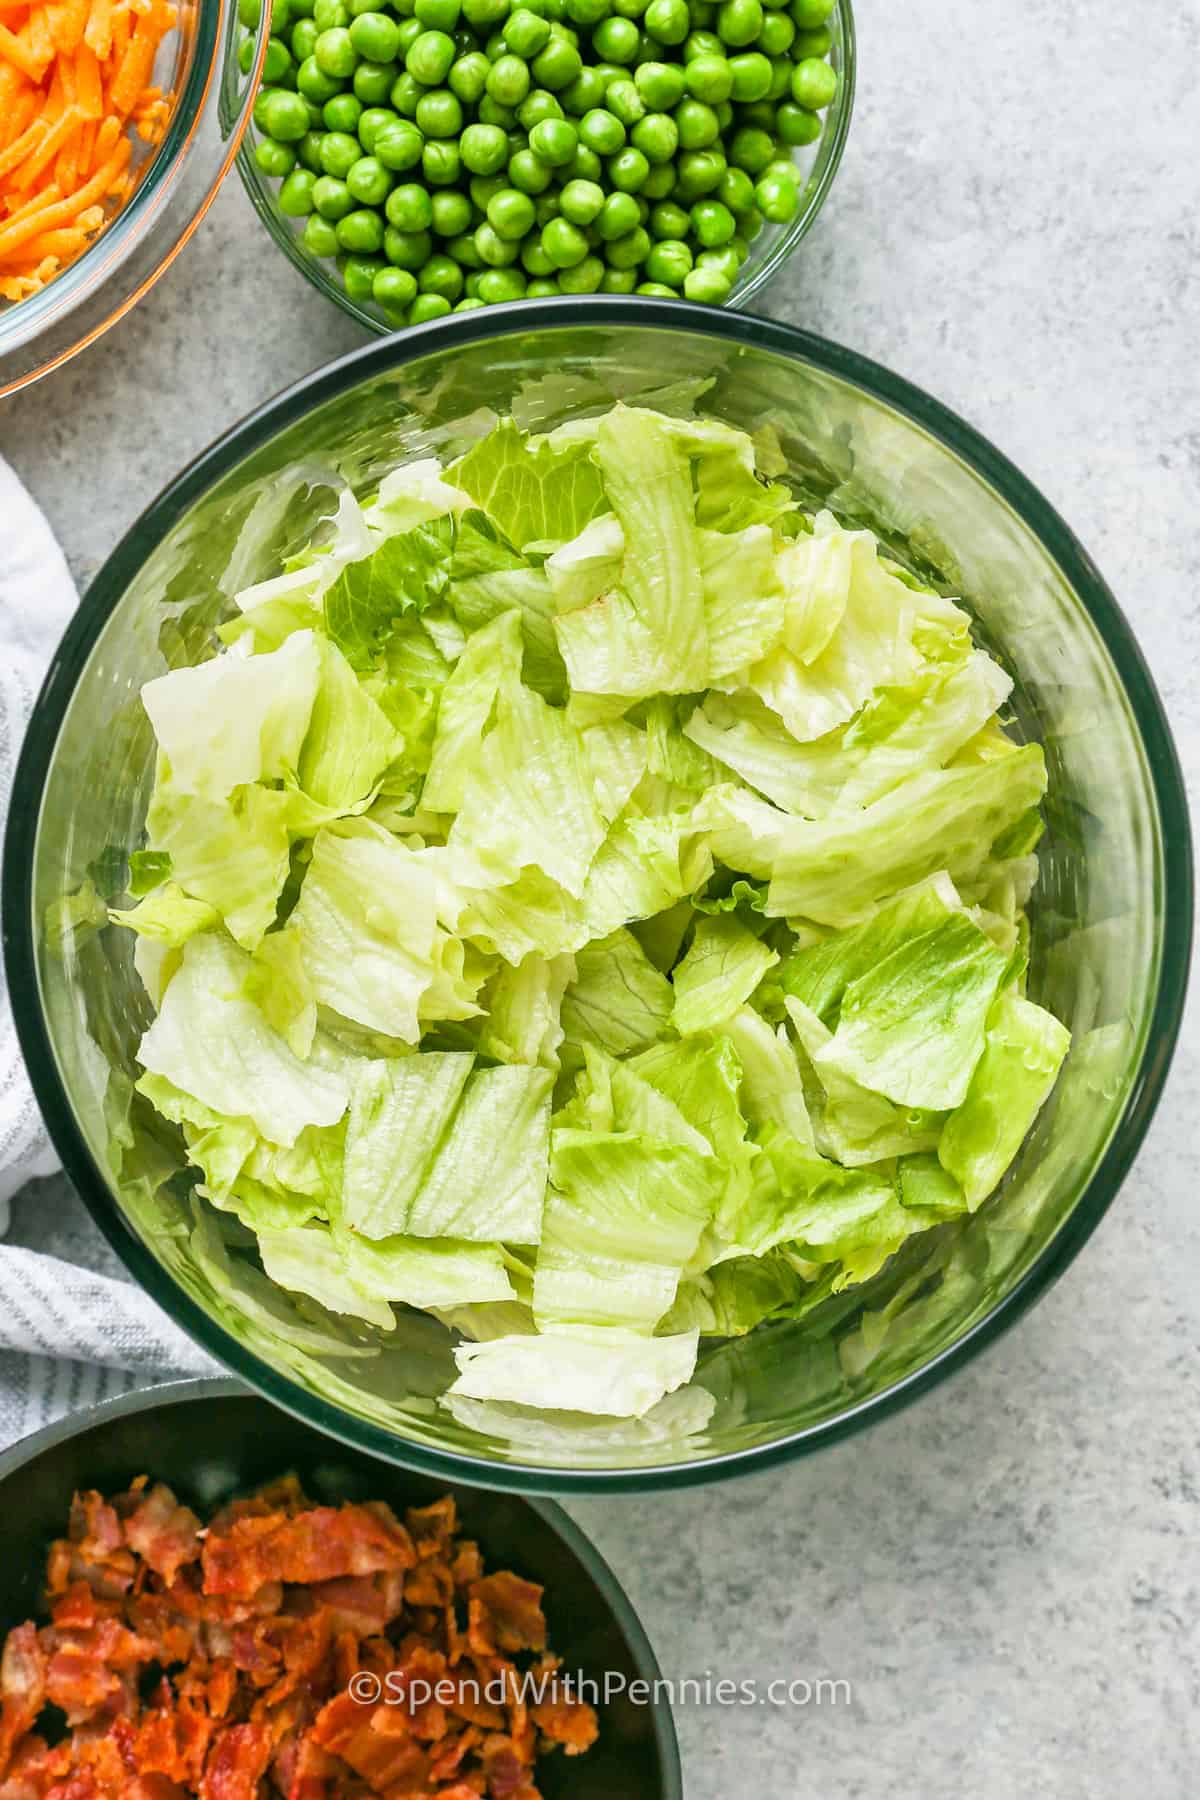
<point>1011,1081</point>
<point>618,1001</point>
<point>405,574</point>
<point>488,1179</point>
<point>532,491</point>
<point>724,964</point>
<point>400,1110</point>
<point>577,1369</point>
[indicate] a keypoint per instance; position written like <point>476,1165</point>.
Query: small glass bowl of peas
<point>418,157</point>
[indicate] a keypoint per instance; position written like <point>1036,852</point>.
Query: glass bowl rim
<point>252,433</point>
<point>316,274</point>
<point>29,1449</point>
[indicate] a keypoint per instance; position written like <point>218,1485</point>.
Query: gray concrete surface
<point>1008,1575</point>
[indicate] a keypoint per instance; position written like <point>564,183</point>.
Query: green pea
<point>656,136</point>
<point>249,13</point>
<point>319,236</point>
<point>777,198</point>
<point>441,275</point>
<point>508,81</point>
<point>586,91</point>
<point>529,173</point>
<point>781,78</point>
<point>373,82</point>
<point>668,20</point>
<point>482,15</point>
<point>712,223</point>
<point>484,149</point>
<point>701,43</point>
<point>499,285</point>
<point>751,77</point>
<point>451,212</point>
<point>625,102</point>
<point>407,249</point>
<point>699,172</point>
<point>511,213</point>
<point>585,165</point>
<point>537,105</point>
<point>399,146</point>
<point>295,196</point>
<point>496,251</point>
<point>534,259</point>
<point>369,182</point>
<point>707,285</point>
<point>339,153</point>
<point>406,91</point>
<point>724,262</point>
<point>482,187</point>
<point>427,307</point>
<point>564,243</point>
<point>430,57</point>
<point>796,126</point>
<point>441,164</point>
<point>304,38</point>
<point>309,150</point>
<point>285,116</point>
<point>751,149</point>
<point>775,38</point>
<point>602,132</point>
<point>585,277</point>
<point>617,218</point>
<point>736,190</point>
<point>619,281</point>
<point>439,114</point>
<point>335,54</point>
<point>811,43</point>
<point>739,22</point>
<point>667,220</point>
<point>659,182</point>
<point>467,79</point>
<point>630,9</point>
<point>708,79</point>
<point>627,170</point>
<point>375,36</point>
<point>541,289</point>
<point>358,275</point>
<point>750,224</point>
<point>697,124</point>
<point>409,207</point>
<point>660,85</point>
<point>581,201</point>
<point>588,12</point>
<point>492,113</point>
<point>371,122</point>
<point>342,113</point>
<point>669,261</point>
<point>525,32</point>
<point>394,287</point>
<point>275,160</point>
<point>814,84</point>
<point>554,142</point>
<point>438,15</point>
<point>463,250</point>
<point>808,14</point>
<point>277,64</point>
<point>628,251</point>
<point>616,40</point>
<point>361,231</point>
<point>330,13</point>
<point>558,65</point>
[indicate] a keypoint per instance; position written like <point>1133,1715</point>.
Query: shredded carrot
<point>75,95</point>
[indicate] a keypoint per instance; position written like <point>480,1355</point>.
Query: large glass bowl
<point>1111,918</point>
<point>176,182</point>
<point>818,163</point>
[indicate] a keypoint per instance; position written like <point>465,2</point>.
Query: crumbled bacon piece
<point>229,1664</point>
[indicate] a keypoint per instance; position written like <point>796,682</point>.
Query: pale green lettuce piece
<point>1013,1078</point>
<point>819,973</point>
<point>403,574</point>
<point>836,870</point>
<point>306,1260</point>
<point>367,921</point>
<point>531,491</point>
<point>683,1414</point>
<point>671,754</point>
<point>168,915</point>
<point>623,1215</point>
<point>491,660</point>
<point>729,494</point>
<point>871,647</point>
<point>233,855</point>
<point>524,1004</point>
<point>278,983</point>
<point>743,601</point>
<point>609,650</point>
<point>733,1297</point>
<point>577,1369</point>
<point>851,1122</point>
<point>798,1196</point>
<point>488,1180</point>
<point>413,495</point>
<point>489,1319</point>
<point>724,964</point>
<point>644,865</point>
<point>618,1000</point>
<point>426,1272</point>
<point>478,599</point>
<point>587,565</point>
<point>527,917</point>
<point>529,801</point>
<point>616,752</point>
<point>772,1090</point>
<point>350,740</point>
<point>927,1187</point>
<point>703,1077</point>
<point>400,1110</point>
<point>235,719</point>
<point>814,572</point>
<point>912,1027</point>
<point>214,1043</point>
<point>217,1144</point>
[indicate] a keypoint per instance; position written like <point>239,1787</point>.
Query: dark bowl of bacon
<point>202,1596</point>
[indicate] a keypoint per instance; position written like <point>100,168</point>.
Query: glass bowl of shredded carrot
<point>118,121</point>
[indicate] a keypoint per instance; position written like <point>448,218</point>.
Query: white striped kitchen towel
<point>69,1336</point>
